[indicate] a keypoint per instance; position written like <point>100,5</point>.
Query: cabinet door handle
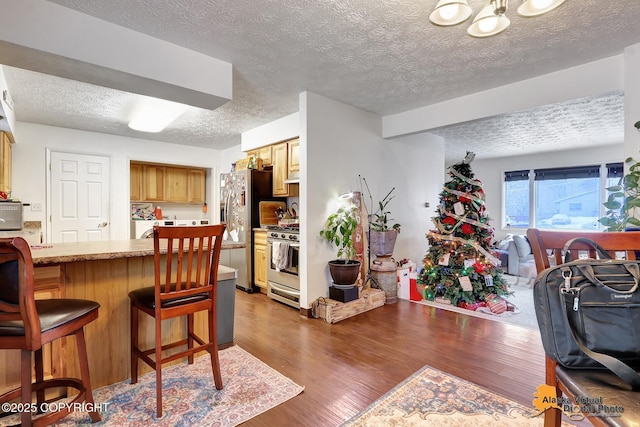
<point>102,225</point>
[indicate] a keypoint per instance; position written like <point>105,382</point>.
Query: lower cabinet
<point>260,258</point>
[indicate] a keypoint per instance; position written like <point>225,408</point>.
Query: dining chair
<point>186,274</point>
<point>547,247</point>
<point>27,324</point>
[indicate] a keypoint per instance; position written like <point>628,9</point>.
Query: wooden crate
<point>334,311</point>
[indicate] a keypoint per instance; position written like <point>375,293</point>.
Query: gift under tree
<point>460,267</point>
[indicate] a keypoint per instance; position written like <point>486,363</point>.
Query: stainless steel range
<point>283,249</point>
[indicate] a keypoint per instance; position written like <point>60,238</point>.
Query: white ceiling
<point>382,56</point>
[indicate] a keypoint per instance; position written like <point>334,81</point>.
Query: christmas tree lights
<point>460,266</point>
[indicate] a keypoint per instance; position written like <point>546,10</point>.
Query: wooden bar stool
<point>185,283</point>
<point>27,324</point>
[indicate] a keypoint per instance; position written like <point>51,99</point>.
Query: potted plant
<point>623,200</point>
<point>383,231</point>
<point>338,231</point>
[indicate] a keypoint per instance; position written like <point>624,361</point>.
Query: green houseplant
<point>623,200</point>
<point>338,231</point>
<point>383,230</point>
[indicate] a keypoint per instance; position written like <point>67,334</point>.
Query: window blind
<point>567,173</point>
<point>615,170</point>
<point>522,175</point>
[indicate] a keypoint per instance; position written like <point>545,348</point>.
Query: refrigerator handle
<point>226,208</point>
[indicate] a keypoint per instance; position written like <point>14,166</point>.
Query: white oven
<point>283,250</point>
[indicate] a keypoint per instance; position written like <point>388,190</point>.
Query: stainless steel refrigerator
<point>240,194</point>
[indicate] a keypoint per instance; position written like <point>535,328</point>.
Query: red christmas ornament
<point>466,229</point>
<point>464,199</point>
<point>449,220</point>
<point>479,267</point>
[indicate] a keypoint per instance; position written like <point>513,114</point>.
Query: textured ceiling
<point>382,56</point>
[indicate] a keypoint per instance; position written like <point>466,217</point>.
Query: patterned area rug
<point>522,299</point>
<point>190,397</point>
<point>433,398</point>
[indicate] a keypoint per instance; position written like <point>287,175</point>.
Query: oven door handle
<point>291,245</point>
<point>284,290</point>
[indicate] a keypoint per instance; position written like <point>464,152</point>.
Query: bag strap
<point>621,369</point>
<point>602,253</point>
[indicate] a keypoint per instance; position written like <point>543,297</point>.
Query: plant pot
<point>383,242</point>
<point>344,273</point>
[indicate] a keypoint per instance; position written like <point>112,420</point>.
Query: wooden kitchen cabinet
<point>280,156</point>
<point>260,258</point>
<point>264,153</point>
<point>135,182</point>
<point>176,185</point>
<point>166,183</point>
<point>196,186</point>
<point>293,158</point>
<point>5,162</point>
<point>153,179</point>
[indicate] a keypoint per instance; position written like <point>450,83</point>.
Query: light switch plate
<point>36,207</point>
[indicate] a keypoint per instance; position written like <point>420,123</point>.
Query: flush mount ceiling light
<point>491,19</point>
<point>156,114</point>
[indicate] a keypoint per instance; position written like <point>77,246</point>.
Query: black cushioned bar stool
<point>27,324</point>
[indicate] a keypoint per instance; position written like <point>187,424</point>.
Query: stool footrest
<point>62,410</point>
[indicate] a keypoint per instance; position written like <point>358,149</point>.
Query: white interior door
<point>79,197</point>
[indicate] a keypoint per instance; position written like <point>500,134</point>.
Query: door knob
<point>102,225</point>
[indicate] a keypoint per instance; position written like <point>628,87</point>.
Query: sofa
<point>519,257</point>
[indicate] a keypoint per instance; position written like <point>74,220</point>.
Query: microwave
<point>10,215</point>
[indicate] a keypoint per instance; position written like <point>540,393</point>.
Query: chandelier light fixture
<point>491,19</point>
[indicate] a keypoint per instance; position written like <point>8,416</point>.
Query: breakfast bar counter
<point>100,250</point>
<point>106,271</point>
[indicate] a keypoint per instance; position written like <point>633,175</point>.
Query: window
<point>558,198</point>
<point>615,172</point>
<point>516,199</point>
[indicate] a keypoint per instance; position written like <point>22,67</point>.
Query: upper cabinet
<point>153,183</point>
<point>279,152</point>
<point>284,159</point>
<point>196,186</point>
<point>135,182</point>
<point>166,183</point>
<point>264,153</point>
<point>5,163</point>
<point>293,158</point>
<point>281,168</point>
<point>176,185</point>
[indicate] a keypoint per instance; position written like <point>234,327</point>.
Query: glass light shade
<point>156,114</point>
<point>538,7</point>
<point>487,23</point>
<point>450,12</point>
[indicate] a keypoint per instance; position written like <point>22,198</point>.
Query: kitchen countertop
<point>101,250</point>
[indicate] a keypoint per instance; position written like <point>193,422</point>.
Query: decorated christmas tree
<point>459,266</point>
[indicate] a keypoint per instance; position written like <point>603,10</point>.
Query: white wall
<point>338,143</point>
<point>30,176</point>
<point>491,172</point>
<point>287,127</point>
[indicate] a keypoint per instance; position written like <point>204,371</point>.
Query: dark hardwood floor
<point>347,365</point>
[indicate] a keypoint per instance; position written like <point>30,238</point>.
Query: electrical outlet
<point>36,207</point>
